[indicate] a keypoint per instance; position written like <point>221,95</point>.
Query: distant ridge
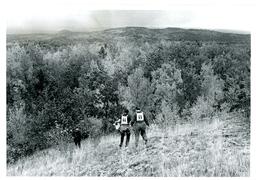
<point>232,31</point>
<point>65,31</point>
<point>142,34</point>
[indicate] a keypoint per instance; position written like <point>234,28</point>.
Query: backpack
<point>140,116</point>
<point>124,119</point>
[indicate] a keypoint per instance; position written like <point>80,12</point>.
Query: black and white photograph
<point>128,92</point>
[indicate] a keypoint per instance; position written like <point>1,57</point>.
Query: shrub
<point>58,136</point>
<point>95,126</point>
<point>16,120</point>
<point>203,108</point>
<point>168,115</point>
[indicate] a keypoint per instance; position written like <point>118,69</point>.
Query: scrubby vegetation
<point>217,148</point>
<point>58,81</point>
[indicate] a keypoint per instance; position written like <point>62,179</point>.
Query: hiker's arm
<point>79,134</point>
<point>129,119</point>
<point>133,120</point>
<point>146,120</point>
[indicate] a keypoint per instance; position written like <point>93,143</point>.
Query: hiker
<point>77,137</point>
<point>139,123</point>
<point>124,127</point>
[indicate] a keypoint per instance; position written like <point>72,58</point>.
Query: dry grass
<point>220,148</point>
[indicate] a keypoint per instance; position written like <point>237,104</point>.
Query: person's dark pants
<point>140,129</point>
<point>77,142</point>
<point>125,131</point>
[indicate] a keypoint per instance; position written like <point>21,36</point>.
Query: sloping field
<point>219,148</point>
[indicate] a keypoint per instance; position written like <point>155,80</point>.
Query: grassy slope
<point>216,149</point>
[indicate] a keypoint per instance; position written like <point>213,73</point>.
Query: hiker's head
<point>126,111</point>
<point>137,109</point>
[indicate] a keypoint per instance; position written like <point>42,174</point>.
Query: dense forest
<point>56,82</point>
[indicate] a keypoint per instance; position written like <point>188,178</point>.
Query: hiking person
<point>77,136</point>
<point>139,123</point>
<point>124,127</point>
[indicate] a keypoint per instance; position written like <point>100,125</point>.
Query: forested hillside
<point>177,76</point>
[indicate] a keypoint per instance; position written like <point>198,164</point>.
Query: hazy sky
<point>46,16</point>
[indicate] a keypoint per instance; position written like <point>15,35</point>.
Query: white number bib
<point>124,120</point>
<point>140,116</point>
